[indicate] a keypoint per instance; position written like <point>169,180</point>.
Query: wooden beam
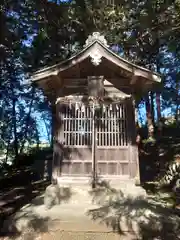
<point>57,78</point>
<point>74,79</point>
<point>96,86</point>
<point>133,80</point>
<point>84,79</point>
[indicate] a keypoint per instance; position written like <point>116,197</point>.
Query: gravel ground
<point>86,215</point>
<point>72,235</point>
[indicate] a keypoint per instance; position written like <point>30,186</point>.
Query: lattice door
<point>112,144</point>
<point>109,139</point>
<point>77,159</point>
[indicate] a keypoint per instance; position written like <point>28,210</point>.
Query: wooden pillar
<point>53,109</point>
<point>58,139</point>
<point>135,151</point>
<point>95,90</point>
<point>94,143</point>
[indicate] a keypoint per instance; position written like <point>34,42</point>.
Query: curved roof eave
<point>105,52</point>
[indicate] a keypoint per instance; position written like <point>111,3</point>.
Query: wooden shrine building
<point>93,94</point>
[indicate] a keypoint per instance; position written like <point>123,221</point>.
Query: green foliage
<point>147,32</point>
<point>18,125</point>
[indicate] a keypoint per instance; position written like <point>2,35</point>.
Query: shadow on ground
<point>36,225</point>
<point>35,229</point>
<point>32,223</point>
<point>64,195</point>
<point>147,218</point>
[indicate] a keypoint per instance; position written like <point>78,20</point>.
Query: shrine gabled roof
<point>96,48</point>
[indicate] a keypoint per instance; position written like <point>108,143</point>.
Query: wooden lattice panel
<point>112,144</point>
<point>110,140</point>
<point>78,126</point>
<point>111,126</point>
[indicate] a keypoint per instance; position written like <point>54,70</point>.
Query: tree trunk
<point>152,106</point>
<point>8,144</point>
<point>158,100</point>
<point>47,130</point>
<point>15,130</point>
<point>176,113</point>
<point>158,104</point>
<point>177,99</point>
<point>37,140</point>
<point>149,118</point>
<point>27,120</point>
